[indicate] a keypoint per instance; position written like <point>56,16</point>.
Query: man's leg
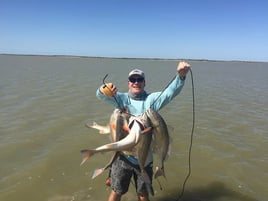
<point>143,197</point>
<point>141,188</point>
<point>114,196</point>
<point>121,173</point>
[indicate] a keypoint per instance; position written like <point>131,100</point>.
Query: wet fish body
<point>117,128</point>
<point>136,143</point>
<point>161,140</point>
<point>118,125</point>
<point>143,149</point>
<point>124,144</point>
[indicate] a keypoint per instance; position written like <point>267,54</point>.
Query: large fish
<point>119,125</point>
<point>143,149</point>
<point>161,140</point>
<point>118,129</point>
<point>124,144</point>
<point>137,143</point>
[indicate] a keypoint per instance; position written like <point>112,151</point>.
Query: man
<point>137,101</point>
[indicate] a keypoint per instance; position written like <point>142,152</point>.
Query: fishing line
<point>162,92</point>
<point>191,141</point>
<point>192,132</point>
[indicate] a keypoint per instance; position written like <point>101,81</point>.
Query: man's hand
<point>183,68</point>
<point>108,90</point>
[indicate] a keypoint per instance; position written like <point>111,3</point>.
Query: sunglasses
<point>133,80</point>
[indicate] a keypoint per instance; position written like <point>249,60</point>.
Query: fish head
<point>119,124</point>
<point>137,119</point>
<point>115,123</point>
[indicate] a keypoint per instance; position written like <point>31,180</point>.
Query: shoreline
<point>137,58</point>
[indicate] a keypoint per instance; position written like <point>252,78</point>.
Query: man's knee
<point>114,196</point>
<point>143,197</point>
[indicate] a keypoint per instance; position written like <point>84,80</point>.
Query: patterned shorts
<point>121,173</point>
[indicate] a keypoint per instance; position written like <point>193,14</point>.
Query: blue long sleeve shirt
<point>153,100</point>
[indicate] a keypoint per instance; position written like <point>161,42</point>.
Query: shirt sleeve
<point>159,99</point>
<point>116,101</point>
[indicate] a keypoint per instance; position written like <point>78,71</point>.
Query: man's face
<point>136,84</point>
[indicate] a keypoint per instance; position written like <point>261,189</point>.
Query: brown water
<point>45,102</point>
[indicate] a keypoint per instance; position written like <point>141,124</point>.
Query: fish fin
<point>97,172</point>
<point>86,155</point>
<point>159,172</point>
<point>147,130</point>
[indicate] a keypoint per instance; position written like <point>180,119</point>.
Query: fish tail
<point>86,155</point>
<point>159,172</point>
<point>97,172</point>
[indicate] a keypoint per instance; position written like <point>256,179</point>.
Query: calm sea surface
<point>45,102</point>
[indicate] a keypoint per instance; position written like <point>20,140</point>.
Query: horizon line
<point>141,58</point>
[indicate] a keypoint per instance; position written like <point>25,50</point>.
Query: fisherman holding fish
<point>137,101</point>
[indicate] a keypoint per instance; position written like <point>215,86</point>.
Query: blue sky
<point>188,29</point>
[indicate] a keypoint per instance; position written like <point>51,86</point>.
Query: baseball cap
<point>136,72</point>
